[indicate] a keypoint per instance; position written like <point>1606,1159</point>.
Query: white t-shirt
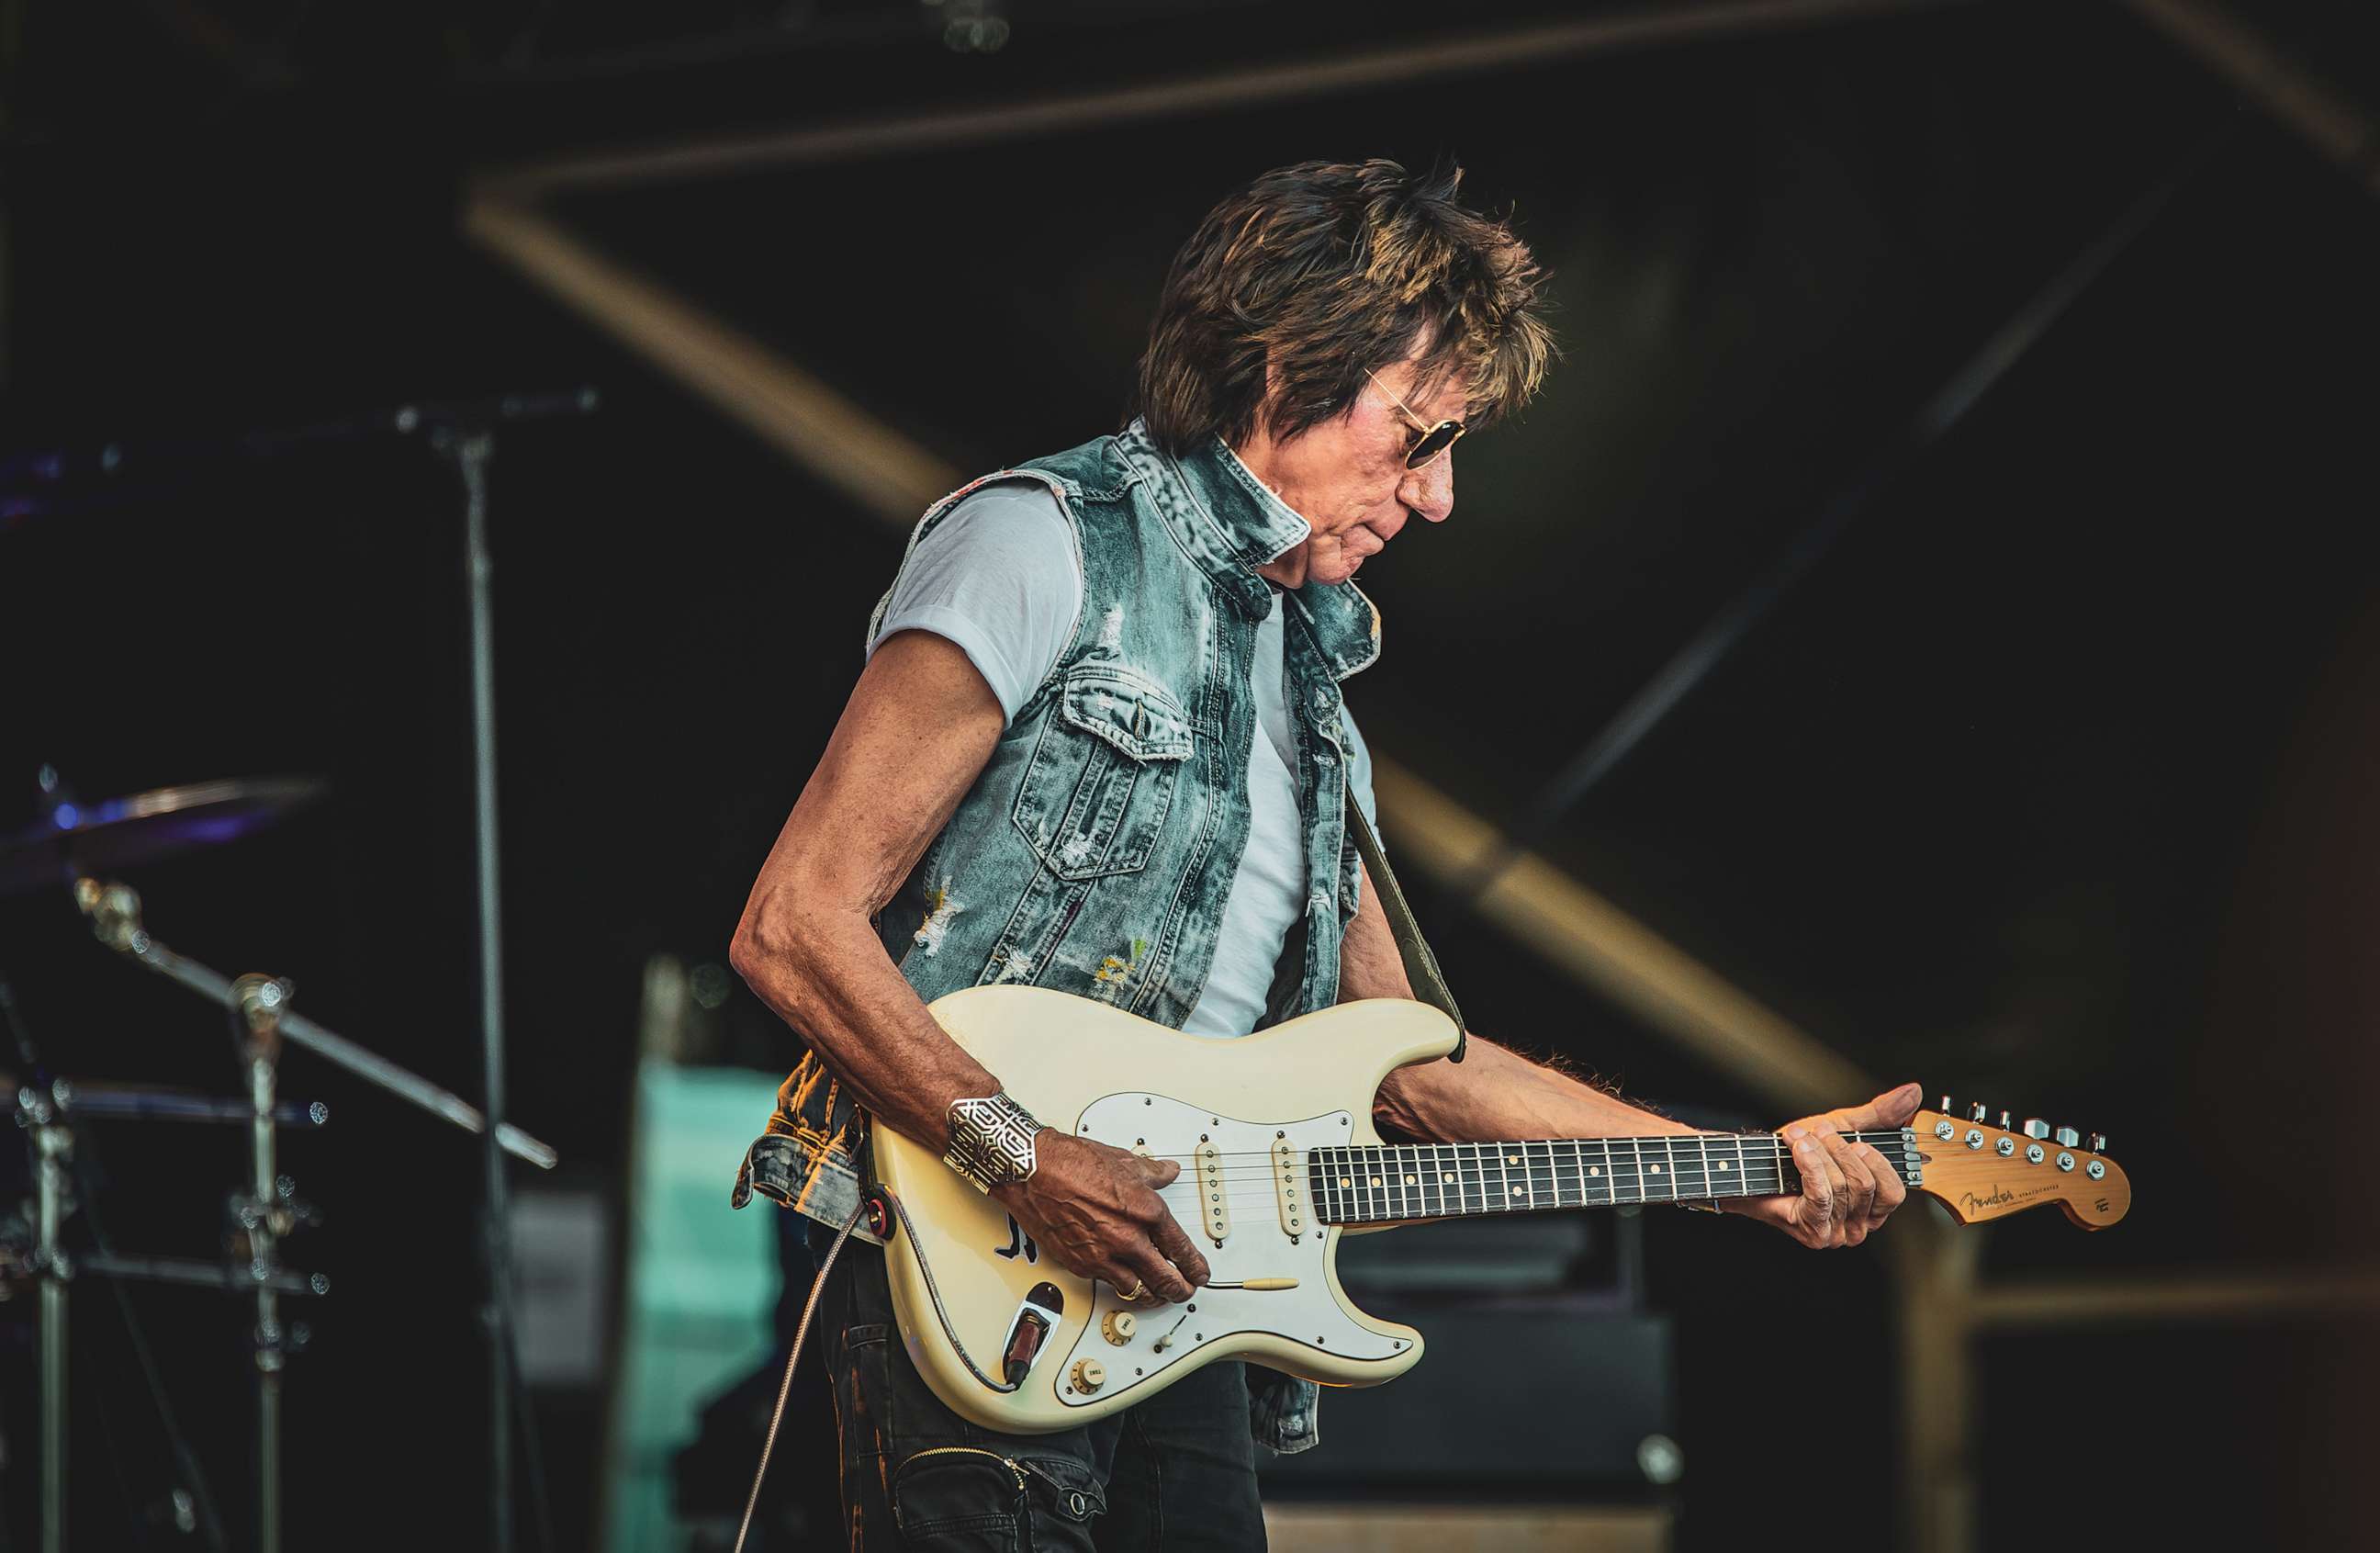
<point>1000,578</point>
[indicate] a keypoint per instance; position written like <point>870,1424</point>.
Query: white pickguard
<point>1079,1065</point>
<point>1256,1246</point>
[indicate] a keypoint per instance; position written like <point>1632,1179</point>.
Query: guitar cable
<point>786,1387</point>
<point>877,1200</point>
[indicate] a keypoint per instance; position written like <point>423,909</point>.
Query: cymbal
<point>96,838</point>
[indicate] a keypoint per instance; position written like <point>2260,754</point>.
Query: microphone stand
<point>470,450</point>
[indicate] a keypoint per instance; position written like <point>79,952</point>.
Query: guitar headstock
<point>1982,1170</point>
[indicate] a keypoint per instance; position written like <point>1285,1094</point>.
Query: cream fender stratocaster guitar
<point>1278,1160</point>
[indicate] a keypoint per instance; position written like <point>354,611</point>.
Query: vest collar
<point>1232,524</point>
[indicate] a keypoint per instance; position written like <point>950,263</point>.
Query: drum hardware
<point>115,911</point>
<point>266,1210</point>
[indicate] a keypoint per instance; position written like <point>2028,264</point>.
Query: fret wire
<point>1670,1171</point>
<point>1748,1171</point>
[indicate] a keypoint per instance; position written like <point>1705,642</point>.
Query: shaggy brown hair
<point>1325,271</point>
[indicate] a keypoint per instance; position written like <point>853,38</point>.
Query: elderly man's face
<point>1348,478</point>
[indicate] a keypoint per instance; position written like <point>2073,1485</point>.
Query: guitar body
<point>1239,1115</point>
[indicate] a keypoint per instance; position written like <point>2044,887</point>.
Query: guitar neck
<point>1396,1183</point>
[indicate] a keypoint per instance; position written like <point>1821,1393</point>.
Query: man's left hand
<point>1848,1189</point>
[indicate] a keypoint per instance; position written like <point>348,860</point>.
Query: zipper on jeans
<point>1073,1498</point>
<point>1014,1470</point>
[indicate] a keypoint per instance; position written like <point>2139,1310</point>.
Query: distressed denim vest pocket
<point>1094,795</point>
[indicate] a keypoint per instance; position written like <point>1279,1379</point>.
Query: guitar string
<point>1673,1140</point>
<point>1496,1194</point>
<point>1589,1153</point>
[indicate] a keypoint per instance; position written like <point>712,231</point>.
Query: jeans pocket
<point>955,1497</point>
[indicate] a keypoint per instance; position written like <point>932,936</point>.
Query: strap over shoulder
<point>1421,966</point>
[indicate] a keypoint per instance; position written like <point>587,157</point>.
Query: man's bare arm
<point>1494,1094</point>
<point>919,726</point>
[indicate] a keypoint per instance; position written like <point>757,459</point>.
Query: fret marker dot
<point>1512,1159</point>
<point>1595,1170</point>
<point>1722,1164</point>
<point>1655,1169</point>
<point>1448,1178</point>
<point>1346,1181</point>
<point>1516,1190</point>
<point>1375,1181</point>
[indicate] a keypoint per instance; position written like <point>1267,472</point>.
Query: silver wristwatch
<point>991,1141</point>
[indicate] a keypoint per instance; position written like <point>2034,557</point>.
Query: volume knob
<point>1089,1375</point>
<point>1117,1327</point>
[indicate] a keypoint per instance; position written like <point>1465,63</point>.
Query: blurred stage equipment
<point>463,432</point>
<point>78,841</point>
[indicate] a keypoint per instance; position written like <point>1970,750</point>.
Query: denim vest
<point>1085,857</point>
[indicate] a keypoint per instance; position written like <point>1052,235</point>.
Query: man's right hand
<point>1095,1209</point>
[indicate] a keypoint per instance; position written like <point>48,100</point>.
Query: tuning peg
<point>2004,1122</point>
<point>2034,1127</point>
<point>1977,1111</point>
<point>1944,1107</point>
<point>2069,1139</point>
<point>2098,1143</point>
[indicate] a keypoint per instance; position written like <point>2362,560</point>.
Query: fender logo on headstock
<point>1999,1197</point>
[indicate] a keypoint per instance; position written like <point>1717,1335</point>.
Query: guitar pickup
<point>1214,1199</point>
<point>1284,1187</point>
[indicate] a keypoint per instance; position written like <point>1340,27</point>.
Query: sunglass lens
<point>1432,444</point>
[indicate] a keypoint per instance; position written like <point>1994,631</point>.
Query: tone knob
<point>2034,1127</point>
<point>2069,1139</point>
<point>1089,1375</point>
<point>1117,1325</point>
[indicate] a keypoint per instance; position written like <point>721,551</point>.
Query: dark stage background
<point>2048,785</point>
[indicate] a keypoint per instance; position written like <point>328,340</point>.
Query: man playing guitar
<point>1100,746</point>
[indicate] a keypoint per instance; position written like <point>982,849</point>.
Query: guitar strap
<point>1421,966</point>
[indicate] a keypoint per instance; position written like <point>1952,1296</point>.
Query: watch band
<point>991,1140</point>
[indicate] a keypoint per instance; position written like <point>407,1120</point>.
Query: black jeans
<point>1176,1472</point>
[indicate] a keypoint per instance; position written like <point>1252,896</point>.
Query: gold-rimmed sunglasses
<point>1434,440</point>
